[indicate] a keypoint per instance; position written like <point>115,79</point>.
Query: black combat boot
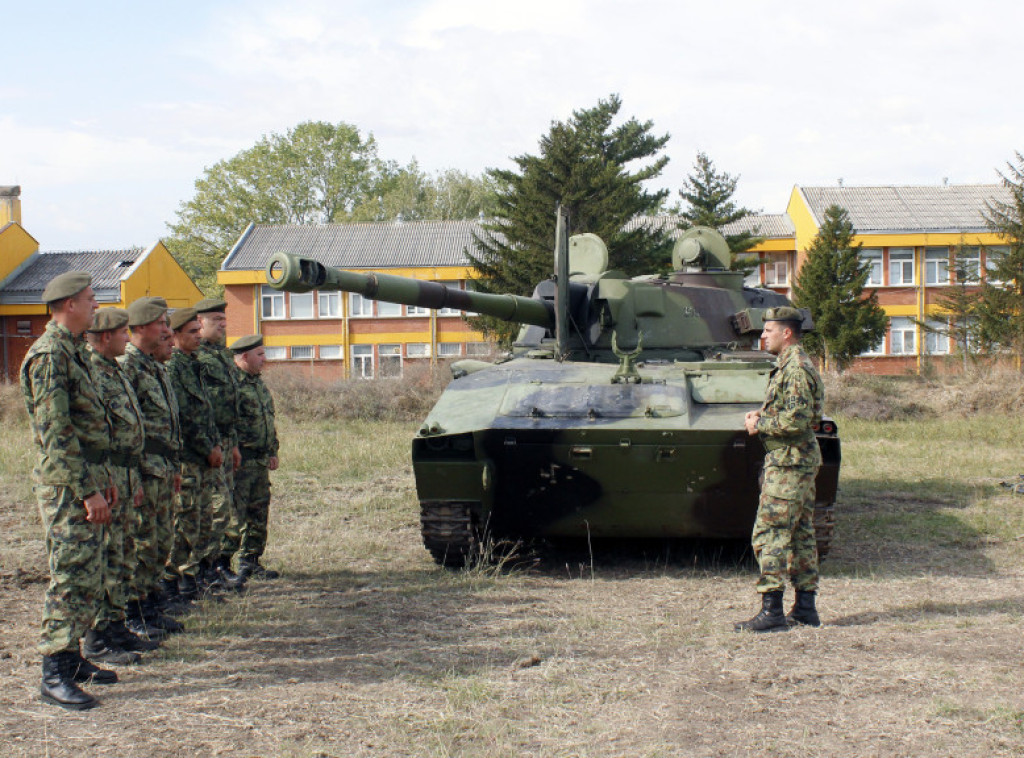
<point>126,639</point>
<point>803,611</point>
<point>139,626</point>
<point>58,686</point>
<point>771,617</point>
<point>85,671</point>
<point>97,646</point>
<point>251,567</point>
<point>168,600</point>
<point>226,577</point>
<point>188,588</point>
<point>154,617</point>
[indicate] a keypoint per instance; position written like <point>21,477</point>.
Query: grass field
<point>365,648</point>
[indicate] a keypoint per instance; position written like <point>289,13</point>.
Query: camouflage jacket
<point>257,432</point>
<point>199,434</point>
<point>69,423</point>
<point>218,369</point>
<point>126,430</point>
<point>159,407</point>
<point>791,410</point>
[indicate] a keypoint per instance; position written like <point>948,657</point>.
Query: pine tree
<point>582,166</point>
<point>708,195</point>
<point>831,284</point>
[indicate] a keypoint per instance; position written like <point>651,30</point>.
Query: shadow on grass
<point>927,609</point>
<point>906,528</point>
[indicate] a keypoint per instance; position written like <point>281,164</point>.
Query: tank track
<point>824,526</point>
<point>450,532</point>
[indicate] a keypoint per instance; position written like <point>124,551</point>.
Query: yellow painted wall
<point>159,274</point>
<point>434,273</point>
<point>16,245</point>
<point>279,340</point>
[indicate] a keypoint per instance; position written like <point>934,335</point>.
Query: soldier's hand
<point>236,458</point>
<point>111,494</point>
<point>138,498</point>
<point>272,463</point>
<point>96,509</point>
<point>750,422</point>
<point>177,484</point>
<point>216,457</point>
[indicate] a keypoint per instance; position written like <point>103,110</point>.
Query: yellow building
<point>119,277</point>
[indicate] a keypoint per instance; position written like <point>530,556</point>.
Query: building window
<point>301,304</point>
<point>416,310</point>
<point>389,310</point>
<point>302,353</point>
<point>876,349</point>
<point>969,262</point>
<point>936,265</point>
<point>329,304</point>
<point>390,357</point>
<point>330,352</point>
<point>901,266</point>
<point>452,285</point>
<point>276,353</point>
<point>417,350</point>
<point>362,361</point>
<point>936,337</point>
<point>271,303</point>
<point>449,349</point>
<point>478,348</point>
<point>359,306</point>
<point>872,258</point>
<point>902,332</point>
<point>776,272</point>
<point>993,258</point>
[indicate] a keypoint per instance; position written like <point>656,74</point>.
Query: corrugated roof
<point>358,246</point>
<point>108,268</point>
<point>769,225</point>
<point>874,210</point>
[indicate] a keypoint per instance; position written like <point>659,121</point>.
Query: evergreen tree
<point>708,195</point>
<point>582,165</point>
<point>959,306</point>
<point>831,284</point>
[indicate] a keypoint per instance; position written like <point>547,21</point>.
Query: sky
<point>110,111</point>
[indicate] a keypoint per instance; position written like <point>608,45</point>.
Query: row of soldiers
<point>155,444</point>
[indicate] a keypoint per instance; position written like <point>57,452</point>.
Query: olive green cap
<point>107,319</point>
<point>783,313</point>
<point>210,305</point>
<point>245,344</point>
<point>182,316</point>
<point>146,310</point>
<point>66,285</point>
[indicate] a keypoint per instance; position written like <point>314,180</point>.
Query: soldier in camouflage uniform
<point>143,365</point>
<point>200,450</point>
<point>110,640</point>
<point>218,369</point>
<point>72,486</point>
<point>257,438</point>
<point>783,537</point>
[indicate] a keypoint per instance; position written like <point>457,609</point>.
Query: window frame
<point>322,312</point>
<point>274,296</point>
<point>902,257</point>
<point>873,257</point>
<point>936,260</point>
<point>340,353</point>
<point>361,360</point>
<point>904,328</point>
<point>301,297</point>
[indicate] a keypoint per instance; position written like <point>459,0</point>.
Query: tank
<point>618,413</point>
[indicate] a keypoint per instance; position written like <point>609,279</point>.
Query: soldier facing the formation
<point>73,486</point>
<point>783,537</point>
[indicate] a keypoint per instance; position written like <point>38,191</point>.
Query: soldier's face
<point>148,337</point>
<point>118,340</point>
<point>164,347</point>
<point>775,337</point>
<point>214,326</point>
<point>80,309</point>
<point>257,357</point>
<point>189,336</point>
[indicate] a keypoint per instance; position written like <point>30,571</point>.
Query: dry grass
<point>365,648</point>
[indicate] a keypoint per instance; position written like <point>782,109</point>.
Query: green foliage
<point>582,166</point>
<point>315,173</point>
<point>960,306</point>
<point>708,195</point>
<point>831,284</point>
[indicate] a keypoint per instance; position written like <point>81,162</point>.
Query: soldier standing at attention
<point>110,640</point>
<point>257,440</point>
<point>218,367</point>
<point>72,486</point>
<point>783,537</point>
<point>143,366</point>
<point>200,450</point>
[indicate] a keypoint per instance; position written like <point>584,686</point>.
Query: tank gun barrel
<point>292,273</point>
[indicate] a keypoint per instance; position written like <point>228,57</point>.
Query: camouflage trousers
<point>119,552</point>
<point>154,532</point>
<point>252,493</point>
<point>224,523</point>
<point>783,538</point>
<point>191,522</point>
<point>74,549</point>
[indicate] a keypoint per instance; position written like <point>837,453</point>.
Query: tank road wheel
<point>824,526</point>
<point>450,532</point>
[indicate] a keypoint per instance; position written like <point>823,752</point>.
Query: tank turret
<point>619,414</point>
